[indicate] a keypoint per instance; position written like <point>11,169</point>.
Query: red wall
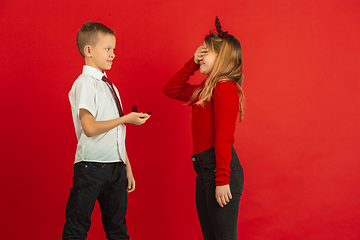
<point>299,142</point>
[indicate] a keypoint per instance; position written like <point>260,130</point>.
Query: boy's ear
<point>87,51</point>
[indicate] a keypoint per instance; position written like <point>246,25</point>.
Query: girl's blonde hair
<point>227,67</point>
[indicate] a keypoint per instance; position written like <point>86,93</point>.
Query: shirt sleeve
<point>177,87</point>
<point>85,96</point>
<point>226,105</point>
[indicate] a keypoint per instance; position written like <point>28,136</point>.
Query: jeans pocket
<point>238,174</point>
<point>195,166</point>
<point>208,167</point>
<point>79,164</point>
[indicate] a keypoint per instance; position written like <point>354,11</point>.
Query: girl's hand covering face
<point>200,53</point>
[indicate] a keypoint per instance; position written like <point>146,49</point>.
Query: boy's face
<point>101,55</point>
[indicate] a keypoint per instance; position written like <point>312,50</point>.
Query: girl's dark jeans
<point>217,223</point>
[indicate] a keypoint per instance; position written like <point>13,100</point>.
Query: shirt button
<point>193,159</point>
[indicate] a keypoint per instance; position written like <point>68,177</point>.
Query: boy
<point>102,169</point>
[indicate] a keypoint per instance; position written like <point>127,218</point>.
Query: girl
<point>215,105</point>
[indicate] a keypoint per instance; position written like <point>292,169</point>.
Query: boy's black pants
<point>217,223</point>
<point>106,183</point>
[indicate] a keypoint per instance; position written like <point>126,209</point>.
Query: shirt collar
<point>93,72</point>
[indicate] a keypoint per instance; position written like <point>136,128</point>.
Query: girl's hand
<point>200,52</point>
<point>136,118</point>
<point>223,194</point>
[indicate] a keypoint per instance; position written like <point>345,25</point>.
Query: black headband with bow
<point>220,32</point>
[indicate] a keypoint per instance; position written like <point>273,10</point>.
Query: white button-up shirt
<point>91,93</point>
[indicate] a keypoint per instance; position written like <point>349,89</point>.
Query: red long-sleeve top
<point>213,125</point>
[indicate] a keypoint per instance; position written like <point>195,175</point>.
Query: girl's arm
<point>91,127</point>
<point>177,87</point>
<point>226,104</point>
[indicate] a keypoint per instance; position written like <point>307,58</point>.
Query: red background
<point>299,142</point>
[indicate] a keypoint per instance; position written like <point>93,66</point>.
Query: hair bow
<point>220,32</point>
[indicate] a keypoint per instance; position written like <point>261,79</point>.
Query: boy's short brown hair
<point>88,35</point>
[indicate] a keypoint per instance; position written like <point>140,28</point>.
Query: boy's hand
<point>136,118</point>
<point>130,181</point>
<point>223,194</point>
<point>200,52</point>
